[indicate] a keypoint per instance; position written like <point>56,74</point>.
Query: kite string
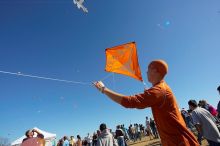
<point>113,79</point>
<point>106,77</point>
<point>45,78</point>
<point>61,80</point>
<point>145,85</point>
<point>53,79</point>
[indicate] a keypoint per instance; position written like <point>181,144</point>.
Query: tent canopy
<point>47,136</point>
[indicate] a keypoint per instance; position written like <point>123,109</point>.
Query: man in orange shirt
<point>171,126</point>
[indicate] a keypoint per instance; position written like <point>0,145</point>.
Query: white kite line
<point>53,79</point>
<point>45,78</point>
<point>106,77</point>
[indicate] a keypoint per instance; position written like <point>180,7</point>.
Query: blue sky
<point>52,38</point>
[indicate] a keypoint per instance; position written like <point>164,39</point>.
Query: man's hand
<point>116,97</point>
<point>100,86</point>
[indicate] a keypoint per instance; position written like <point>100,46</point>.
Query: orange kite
<point>123,59</point>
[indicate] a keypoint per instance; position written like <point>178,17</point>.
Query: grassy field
<point>155,142</point>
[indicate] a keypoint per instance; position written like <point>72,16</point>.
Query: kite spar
<point>123,59</point>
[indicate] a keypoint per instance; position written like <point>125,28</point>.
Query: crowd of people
<point>106,137</point>
<point>102,137</point>
<point>204,119</point>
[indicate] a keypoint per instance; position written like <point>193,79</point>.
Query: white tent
<point>49,137</point>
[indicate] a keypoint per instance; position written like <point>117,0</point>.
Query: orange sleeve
<point>151,97</point>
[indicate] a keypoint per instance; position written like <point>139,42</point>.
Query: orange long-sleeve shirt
<point>168,119</point>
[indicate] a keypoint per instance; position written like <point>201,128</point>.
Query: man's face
<point>151,73</point>
<point>190,107</point>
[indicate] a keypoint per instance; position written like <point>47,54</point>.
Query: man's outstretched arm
<point>116,97</point>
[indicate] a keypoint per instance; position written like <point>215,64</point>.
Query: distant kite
<point>79,4</point>
<point>123,59</point>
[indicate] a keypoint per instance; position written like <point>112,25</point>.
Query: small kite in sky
<point>167,23</point>
<point>164,25</point>
<point>123,59</point>
<point>79,4</point>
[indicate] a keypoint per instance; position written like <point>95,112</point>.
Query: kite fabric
<point>123,59</point>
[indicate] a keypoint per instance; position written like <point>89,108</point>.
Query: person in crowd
<point>98,133</point>
<point>60,142</point>
<point>130,134</point>
<point>89,139</point>
<point>119,135</point>
<point>79,141</point>
<point>170,124</point>
<point>208,107</point>
<point>136,131</point>
<point>153,128</point>
<point>72,141</point>
<point>125,132</point>
<point>218,106</point>
<point>132,131</point>
<point>94,139</point>
<point>148,129</point>
<point>54,143</point>
<point>65,141</point>
<point>84,142</point>
<point>105,138</point>
<point>30,134</point>
<point>205,123</point>
<point>187,118</point>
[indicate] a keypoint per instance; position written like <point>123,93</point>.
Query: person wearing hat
<point>205,123</point>
<point>171,126</point>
